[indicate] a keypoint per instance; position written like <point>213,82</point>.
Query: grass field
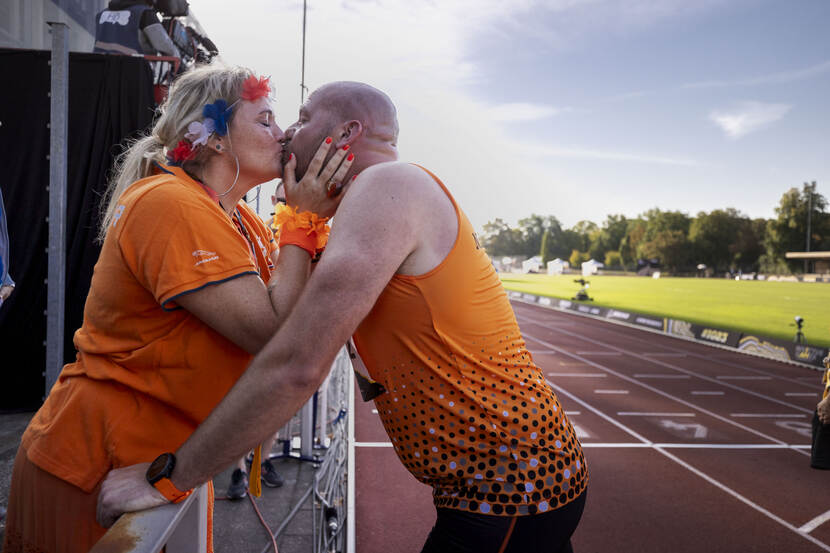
<point>766,308</point>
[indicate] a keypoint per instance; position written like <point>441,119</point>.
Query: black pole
<point>302,75</point>
<point>809,188</point>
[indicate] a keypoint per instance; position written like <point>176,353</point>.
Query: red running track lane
<point>689,448</point>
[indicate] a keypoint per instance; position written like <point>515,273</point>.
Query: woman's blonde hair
<point>186,99</point>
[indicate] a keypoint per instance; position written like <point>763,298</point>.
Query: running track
<point>689,448</point>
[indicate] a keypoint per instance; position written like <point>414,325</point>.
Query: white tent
<point>557,266</point>
<point>591,267</point>
<point>532,265</point>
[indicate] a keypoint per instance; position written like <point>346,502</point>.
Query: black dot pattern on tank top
<point>484,429</point>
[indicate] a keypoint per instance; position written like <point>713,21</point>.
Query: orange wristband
<point>300,238</point>
<point>305,230</point>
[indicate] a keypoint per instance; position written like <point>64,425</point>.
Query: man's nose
<point>289,132</point>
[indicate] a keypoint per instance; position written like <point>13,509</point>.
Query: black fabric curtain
<point>110,100</point>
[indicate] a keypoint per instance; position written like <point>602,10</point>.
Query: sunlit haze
<point>569,108</point>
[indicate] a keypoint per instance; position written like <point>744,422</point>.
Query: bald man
<point>467,410</point>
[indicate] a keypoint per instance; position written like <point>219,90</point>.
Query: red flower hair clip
<point>255,88</point>
<point>181,153</point>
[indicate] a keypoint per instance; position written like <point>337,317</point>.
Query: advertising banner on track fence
<point>771,348</point>
<point>703,333</point>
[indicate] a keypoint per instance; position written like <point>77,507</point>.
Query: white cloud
<point>517,112</point>
<point>420,54</point>
<point>605,155</point>
<point>772,78</point>
<point>748,117</point>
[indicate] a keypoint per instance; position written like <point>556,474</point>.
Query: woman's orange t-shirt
<point>148,372</point>
<point>467,410</point>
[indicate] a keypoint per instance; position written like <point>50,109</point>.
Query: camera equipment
<point>172,8</point>
<point>582,294</point>
<point>799,335</point>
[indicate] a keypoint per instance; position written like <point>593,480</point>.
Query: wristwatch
<point>158,475</point>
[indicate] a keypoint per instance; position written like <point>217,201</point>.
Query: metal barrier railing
<point>182,528</point>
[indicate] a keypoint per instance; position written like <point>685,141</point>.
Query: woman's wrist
<point>303,229</point>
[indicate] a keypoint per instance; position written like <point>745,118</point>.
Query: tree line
<point>723,239</point>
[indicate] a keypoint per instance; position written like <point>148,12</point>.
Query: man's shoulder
<point>405,179</point>
<point>395,170</point>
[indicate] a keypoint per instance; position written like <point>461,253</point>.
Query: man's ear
<point>348,133</point>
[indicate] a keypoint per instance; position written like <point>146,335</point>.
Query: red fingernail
<point>354,177</point>
<point>351,157</point>
<point>346,147</point>
<point>328,140</point>
<point>290,157</point>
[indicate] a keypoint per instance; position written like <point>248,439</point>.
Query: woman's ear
<point>216,143</point>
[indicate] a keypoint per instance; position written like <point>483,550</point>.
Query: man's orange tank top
<point>467,410</point>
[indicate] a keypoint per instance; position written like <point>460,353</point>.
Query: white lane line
<point>642,414</point>
<point>578,375</point>
<point>374,411</point>
<point>573,413</point>
<point>663,376</point>
<point>706,393</point>
<point>802,394</point>
<point>730,354</point>
<point>815,523</point>
<point>661,392</point>
<point>666,354</point>
<point>610,391</point>
<point>373,444</point>
<point>662,364</point>
<point>767,415</point>
<point>687,466</point>
<point>618,424</point>
<point>673,445</point>
<point>739,377</point>
<point>541,351</point>
<point>613,353</point>
<point>621,445</point>
<point>744,500</point>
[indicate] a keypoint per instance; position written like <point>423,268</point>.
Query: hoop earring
<point>226,192</point>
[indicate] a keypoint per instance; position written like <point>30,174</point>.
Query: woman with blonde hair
<point>186,289</point>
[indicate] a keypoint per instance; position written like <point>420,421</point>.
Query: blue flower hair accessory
<point>220,112</point>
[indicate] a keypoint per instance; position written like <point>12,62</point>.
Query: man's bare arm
<point>376,229</point>
<point>373,234</point>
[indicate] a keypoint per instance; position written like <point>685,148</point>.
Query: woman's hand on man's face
<point>320,189</point>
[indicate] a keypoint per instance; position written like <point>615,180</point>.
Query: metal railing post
<point>56,277</point>
<point>307,429</point>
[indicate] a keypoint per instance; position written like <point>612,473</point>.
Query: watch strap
<point>171,492</point>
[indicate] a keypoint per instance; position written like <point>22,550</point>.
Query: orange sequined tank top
<point>466,409</point>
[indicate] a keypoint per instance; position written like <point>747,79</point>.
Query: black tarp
<point>110,99</point>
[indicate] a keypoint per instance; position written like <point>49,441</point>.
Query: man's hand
<point>125,490</point>
<point>823,409</point>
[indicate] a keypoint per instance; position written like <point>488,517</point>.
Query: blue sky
<point>571,108</point>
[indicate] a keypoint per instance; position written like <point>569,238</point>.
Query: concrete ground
<point>236,526</point>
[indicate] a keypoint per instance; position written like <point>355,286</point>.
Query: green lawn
<point>766,308</point>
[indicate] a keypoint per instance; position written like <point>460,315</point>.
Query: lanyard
<point>236,218</point>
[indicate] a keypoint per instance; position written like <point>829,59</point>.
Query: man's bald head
<point>354,115</point>
<point>349,100</point>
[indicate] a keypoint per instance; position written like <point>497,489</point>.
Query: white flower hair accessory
<point>199,131</point>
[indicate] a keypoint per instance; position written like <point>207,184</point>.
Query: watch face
<point>162,467</point>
